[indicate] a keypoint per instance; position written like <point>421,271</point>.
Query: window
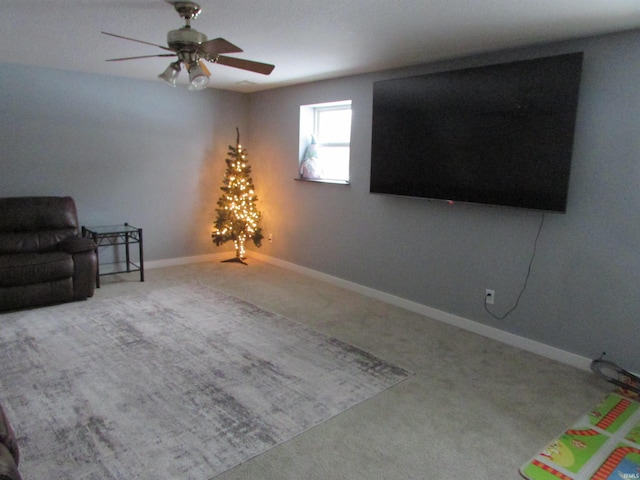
<point>325,142</point>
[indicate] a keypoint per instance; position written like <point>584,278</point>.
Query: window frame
<point>310,125</point>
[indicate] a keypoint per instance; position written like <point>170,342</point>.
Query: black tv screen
<point>498,134</point>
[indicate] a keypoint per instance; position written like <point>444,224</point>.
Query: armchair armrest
<point>8,467</point>
<point>85,265</point>
<point>77,245</point>
<point>7,437</point>
<point>9,452</point>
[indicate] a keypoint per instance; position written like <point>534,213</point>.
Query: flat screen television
<point>497,134</point>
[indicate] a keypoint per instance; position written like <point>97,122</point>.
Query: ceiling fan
<point>191,47</point>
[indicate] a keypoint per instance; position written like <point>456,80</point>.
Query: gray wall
<point>154,156</point>
<point>582,292</point>
<point>127,151</point>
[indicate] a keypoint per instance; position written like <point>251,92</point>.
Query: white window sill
<point>323,180</point>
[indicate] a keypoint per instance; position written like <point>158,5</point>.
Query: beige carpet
<point>475,408</point>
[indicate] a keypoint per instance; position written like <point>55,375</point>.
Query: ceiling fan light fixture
<point>170,75</point>
<point>191,46</point>
<point>198,79</point>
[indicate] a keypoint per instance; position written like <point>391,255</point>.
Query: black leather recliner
<point>43,258</point>
<point>9,452</point>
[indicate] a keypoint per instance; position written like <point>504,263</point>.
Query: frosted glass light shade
<point>170,75</point>
<point>198,79</point>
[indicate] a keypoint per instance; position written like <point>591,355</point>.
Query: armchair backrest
<point>36,224</point>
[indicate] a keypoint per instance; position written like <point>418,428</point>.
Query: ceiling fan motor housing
<point>185,38</point>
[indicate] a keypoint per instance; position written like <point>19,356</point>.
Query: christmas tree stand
<point>235,260</point>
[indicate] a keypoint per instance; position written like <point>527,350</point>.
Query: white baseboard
<point>517,341</point>
<point>172,262</point>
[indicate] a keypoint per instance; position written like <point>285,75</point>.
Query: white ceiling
<point>306,39</point>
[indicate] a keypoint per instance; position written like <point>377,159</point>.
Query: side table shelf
<point>115,236</point>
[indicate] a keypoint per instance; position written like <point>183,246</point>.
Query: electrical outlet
<point>271,237</point>
<point>489,297</point>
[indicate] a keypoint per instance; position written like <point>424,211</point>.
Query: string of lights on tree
<point>238,218</point>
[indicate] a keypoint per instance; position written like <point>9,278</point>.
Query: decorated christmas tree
<point>238,219</point>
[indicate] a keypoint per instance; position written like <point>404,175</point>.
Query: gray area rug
<point>183,382</point>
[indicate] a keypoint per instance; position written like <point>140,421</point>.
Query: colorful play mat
<point>602,445</point>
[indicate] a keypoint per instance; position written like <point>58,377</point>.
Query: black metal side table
<point>116,235</point>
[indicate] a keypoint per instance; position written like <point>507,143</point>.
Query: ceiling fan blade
<point>142,56</point>
<point>250,65</point>
<point>139,41</point>
<point>217,46</point>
